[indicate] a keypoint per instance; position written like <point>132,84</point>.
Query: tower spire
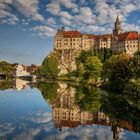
<point>117,29</point>
<point>117,19</point>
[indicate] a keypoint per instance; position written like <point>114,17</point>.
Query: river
<point>62,111</point>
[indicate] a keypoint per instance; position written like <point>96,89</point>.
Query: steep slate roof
<point>117,19</point>
<point>132,35</point>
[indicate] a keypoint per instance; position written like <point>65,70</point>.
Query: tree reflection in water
<point>73,106</point>
<point>6,84</point>
<point>86,105</point>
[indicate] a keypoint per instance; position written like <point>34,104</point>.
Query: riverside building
<point>68,44</point>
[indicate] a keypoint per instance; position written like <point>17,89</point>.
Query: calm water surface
<point>48,111</point>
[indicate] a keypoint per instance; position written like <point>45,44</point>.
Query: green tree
<point>136,65</point>
<point>80,70</point>
<point>118,107</point>
<point>6,84</point>
<point>48,90</point>
<point>93,68</point>
<point>6,68</point>
<point>49,66</point>
<point>120,73</point>
<point>109,65</point>
<point>88,98</point>
<point>83,55</point>
<point>132,88</point>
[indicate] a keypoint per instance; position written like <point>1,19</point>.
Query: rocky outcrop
<point>66,60</point>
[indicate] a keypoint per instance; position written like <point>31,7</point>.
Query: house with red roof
<point>20,70</point>
<point>68,44</point>
<point>127,42</point>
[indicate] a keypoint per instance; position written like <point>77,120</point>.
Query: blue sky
<point>27,27</point>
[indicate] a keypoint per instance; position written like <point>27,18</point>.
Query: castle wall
<point>69,44</point>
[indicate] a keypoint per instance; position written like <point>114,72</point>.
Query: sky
<point>27,27</point>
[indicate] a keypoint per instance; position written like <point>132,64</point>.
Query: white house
<point>20,70</point>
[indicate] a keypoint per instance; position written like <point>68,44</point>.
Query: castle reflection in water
<point>66,112</point>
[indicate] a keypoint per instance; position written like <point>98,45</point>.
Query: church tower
<point>117,29</point>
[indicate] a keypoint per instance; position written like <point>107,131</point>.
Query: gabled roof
<point>132,35</point>
<point>105,36</point>
<point>71,34</point>
<point>91,36</point>
<point>23,66</point>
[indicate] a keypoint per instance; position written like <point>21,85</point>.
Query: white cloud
<point>65,14</point>
<point>130,27</point>
<point>10,20</point>
<point>40,125</point>
<point>29,8</point>
<point>128,8</point>
<point>75,10</point>
<point>39,117</point>
<point>85,16</point>
<point>65,21</point>
<point>5,14</point>
<point>93,16</point>
<point>44,30</point>
<point>53,8</point>
<point>51,21</point>
<point>28,135</point>
<point>25,22</point>
<point>6,129</point>
<point>67,3</point>
<point>98,19</point>
<point>95,29</point>
<point>82,2</point>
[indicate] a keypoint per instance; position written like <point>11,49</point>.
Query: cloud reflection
<point>39,125</point>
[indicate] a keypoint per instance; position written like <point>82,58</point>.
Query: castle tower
<point>117,29</point>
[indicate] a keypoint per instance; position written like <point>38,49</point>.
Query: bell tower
<point>117,25</point>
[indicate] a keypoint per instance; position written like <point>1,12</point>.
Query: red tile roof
<point>23,67</point>
<point>133,35</point>
<point>71,34</point>
<point>91,36</point>
<point>105,36</point>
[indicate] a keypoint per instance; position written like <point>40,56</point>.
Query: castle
<point>68,44</point>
